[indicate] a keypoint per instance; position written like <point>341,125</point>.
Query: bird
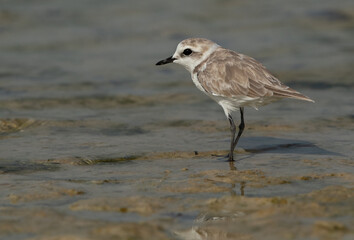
<point>232,79</point>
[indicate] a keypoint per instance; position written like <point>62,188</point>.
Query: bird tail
<point>288,93</point>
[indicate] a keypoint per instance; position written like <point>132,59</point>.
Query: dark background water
<point>78,82</point>
<point>83,72</point>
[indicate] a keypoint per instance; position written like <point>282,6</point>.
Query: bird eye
<point>187,51</point>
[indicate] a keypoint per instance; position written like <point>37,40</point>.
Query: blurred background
<point>79,76</point>
<point>96,142</point>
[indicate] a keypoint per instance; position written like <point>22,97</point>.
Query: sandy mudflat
<point>96,142</point>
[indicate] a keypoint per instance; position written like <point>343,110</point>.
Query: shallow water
<point>96,142</point>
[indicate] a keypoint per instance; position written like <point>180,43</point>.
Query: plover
<point>232,79</point>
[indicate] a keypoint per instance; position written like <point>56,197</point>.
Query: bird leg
<point>234,140</point>
<point>233,132</point>
<point>229,156</point>
<point>241,127</point>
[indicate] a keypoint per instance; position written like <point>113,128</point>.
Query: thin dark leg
<point>233,132</point>
<point>234,141</point>
<point>240,128</point>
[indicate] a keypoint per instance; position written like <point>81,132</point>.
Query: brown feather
<point>240,75</point>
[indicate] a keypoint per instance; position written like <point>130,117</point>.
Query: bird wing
<point>229,74</point>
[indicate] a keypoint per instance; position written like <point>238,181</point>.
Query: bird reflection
<point>211,225</point>
<point>232,165</point>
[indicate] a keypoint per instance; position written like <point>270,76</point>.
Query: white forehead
<point>196,44</point>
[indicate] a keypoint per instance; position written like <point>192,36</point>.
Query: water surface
<point>96,142</point>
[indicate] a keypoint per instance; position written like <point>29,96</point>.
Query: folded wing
<point>229,74</point>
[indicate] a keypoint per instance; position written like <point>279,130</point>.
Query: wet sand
<point>98,143</point>
<point>177,195</point>
<point>274,192</point>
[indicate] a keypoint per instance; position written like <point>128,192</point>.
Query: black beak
<point>165,61</point>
